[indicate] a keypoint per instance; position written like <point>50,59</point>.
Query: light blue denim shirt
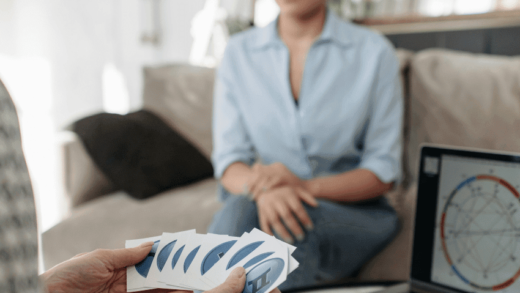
<point>349,112</point>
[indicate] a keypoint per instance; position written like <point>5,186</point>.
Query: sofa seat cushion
<point>464,99</point>
<point>108,221</point>
<point>394,262</point>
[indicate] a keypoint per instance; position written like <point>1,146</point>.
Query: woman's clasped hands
<point>279,195</point>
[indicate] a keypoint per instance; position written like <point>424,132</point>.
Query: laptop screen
<point>476,229</point>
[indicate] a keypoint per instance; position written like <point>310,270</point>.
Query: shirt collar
<point>268,36</point>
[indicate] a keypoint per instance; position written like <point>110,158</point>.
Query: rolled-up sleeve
<point>383,139</point>
<point>231,142</point>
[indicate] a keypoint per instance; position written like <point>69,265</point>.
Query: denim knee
<point>393,225</point>
<point>238,215</point>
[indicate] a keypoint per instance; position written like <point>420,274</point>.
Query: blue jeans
<point>345,236</point>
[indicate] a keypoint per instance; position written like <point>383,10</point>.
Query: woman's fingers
<point>273,220</point>
<point>281,210</point>
<point>279,228</point>
<point>268,177</point>
<point>285,213</point>
<point>264,223</point>
<point>307,197</point>
<point>300,212</point>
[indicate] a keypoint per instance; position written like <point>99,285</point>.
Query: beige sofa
<point>451,98</point>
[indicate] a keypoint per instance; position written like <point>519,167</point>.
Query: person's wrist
<point>312,186</point>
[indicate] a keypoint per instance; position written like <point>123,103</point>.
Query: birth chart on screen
<point>477,232</point>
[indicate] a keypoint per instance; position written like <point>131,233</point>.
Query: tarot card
<point>243,250</point>
<point>213,248</point>
<point>136,275</point>
<point>174,256</point>
<point>190,261</point>
<point>267,266</point>
<point>267,274</point>
<point>183,261</point>
<point>170,242</point>
<point>293,263</point>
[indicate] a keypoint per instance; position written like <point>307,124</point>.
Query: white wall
<point>79,38</point>
<point>52,57</point>
<point>176,23</point>
<point>27,72</point>
<point>6,27</point>
<point>84,37</point>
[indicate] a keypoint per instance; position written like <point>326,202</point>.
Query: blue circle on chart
<point>176,256</point>
<point>189,258</point>
<point>215,255</point>
<point>261,277</point>
<point>243,252</point>
<point>144,266</point>
<point>164,254</point>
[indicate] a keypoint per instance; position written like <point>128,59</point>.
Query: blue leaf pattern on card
<point>242,253</point>
<point>164,254</point>
<point>144,266</point>
<point>176,256</point>
<point>190,258</point>
<point>257,259</point>
<point>215,255</point>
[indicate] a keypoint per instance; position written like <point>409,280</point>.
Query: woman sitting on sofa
<point>307,124</point>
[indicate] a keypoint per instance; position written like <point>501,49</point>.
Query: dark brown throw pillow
<point>140,153</point>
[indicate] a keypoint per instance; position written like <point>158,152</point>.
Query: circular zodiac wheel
<point>480,232</point>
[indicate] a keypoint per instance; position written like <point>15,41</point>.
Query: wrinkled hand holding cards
<point>190,261</point>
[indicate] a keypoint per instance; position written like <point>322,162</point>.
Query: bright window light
<point>436,7</point>
<point>265,12</point>
<point>510,4</point>
<point>29,83</point>
<point>473,6</point>
<point>116,98</point>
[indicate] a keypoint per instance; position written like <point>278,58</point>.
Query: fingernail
<point>300,237</point>
<point>238,272</point>
<point>309,227</point>
<point>288,240</point>
<point>146,244</point>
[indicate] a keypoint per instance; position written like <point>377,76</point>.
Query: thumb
<point>121,258</point>
<point>233,284</point>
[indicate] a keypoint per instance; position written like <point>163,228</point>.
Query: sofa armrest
<point>81,179</point>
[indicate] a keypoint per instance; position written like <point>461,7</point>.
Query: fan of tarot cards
<point>190,261</point>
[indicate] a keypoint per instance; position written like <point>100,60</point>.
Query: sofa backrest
<point>451,98</point>
<point>182,95</point>
<point>463,99</point>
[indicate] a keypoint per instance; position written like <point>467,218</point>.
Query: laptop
<point>467,223</point>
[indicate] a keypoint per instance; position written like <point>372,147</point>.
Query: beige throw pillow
<point>464,99</point>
